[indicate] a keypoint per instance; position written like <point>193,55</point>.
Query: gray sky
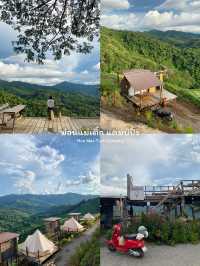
<point>151,160</point>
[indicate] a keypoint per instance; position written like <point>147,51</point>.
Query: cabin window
<point>6,246</point>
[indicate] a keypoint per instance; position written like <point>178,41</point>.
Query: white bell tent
<point>88,217</point>
<point>37,246</point>
<point>72,225</point>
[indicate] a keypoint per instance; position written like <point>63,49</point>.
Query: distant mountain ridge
<point>40,203</point>
<point>92,90</point>
<point>177,38</point>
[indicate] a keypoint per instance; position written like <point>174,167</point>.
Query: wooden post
<point>176,211</point>
<point>140,100</point>
<point>193,213</point>
<point>182,206</point>
<point>52,115</point>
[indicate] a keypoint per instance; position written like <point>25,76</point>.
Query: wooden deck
<point>152,99</point>
<point>36,125</point>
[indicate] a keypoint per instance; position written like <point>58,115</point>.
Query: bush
<point>168,232</point>
<point>88,253</point>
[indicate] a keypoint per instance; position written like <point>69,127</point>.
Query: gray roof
<point>141,79</point>
<point>52,219</point>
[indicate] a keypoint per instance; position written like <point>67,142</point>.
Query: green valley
<point>71,99</point>
<point>25,213</point>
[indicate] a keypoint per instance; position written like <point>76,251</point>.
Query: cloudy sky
<point>140,15</point>
<point>78,68</point>
<point>48,164</point>
<point>149,159</point>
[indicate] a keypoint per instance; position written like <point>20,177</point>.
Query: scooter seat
<point>130,237</point>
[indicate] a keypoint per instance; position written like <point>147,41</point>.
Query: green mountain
<point>70,98</point>
<point>24,220</point>
<point>177,38</point>
<point>32,203</point>
<point>121,50</point>
<point>89,90</point>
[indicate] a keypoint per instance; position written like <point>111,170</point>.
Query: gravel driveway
<point>180,255</point>
<point>63,256</point>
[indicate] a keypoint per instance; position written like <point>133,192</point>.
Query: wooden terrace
<point>35,125</point>
<point>151,99</point>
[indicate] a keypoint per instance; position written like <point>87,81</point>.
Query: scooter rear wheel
<point>111,248</point>
<point>138,253</point>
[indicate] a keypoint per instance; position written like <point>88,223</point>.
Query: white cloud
<point>97,66</point>
<point>29,165</point>
<point>174,4</point>
<point>120,21</point>
<point>115,4</point>
<point>69,68</point>
<point>166,19</point>
<point>154,19</point>
<point>150,159</point>
<point>180,6</point>
<point>26,184</point>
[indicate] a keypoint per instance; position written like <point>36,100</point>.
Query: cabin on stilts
<point>75,215</point>
<point>8,248</point>
<point>52,227</point>
<point>145,89</point>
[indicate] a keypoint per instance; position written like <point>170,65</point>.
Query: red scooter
<point>130,244</point>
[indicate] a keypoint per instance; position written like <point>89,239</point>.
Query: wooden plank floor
<point>36,125</point>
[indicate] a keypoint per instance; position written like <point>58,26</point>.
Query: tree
<point>55,26</point>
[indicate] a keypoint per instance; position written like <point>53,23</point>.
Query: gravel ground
<point>180,255</point>
<point>110,121</point>
<point>63,256</point>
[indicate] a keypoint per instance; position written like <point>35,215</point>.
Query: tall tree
<point>52,26</point>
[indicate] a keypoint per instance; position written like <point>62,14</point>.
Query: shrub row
<point>88,253</point>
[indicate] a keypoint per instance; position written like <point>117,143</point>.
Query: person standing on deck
<point>50,105</point>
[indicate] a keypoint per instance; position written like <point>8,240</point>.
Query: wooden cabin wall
<point>124,85</point>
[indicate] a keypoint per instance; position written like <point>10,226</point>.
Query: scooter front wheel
<point>138,253</point>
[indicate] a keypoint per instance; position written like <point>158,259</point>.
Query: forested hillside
<point>177,38</point>
<point>71,99</point>
<point>121,50</point>
<point>21,218</point>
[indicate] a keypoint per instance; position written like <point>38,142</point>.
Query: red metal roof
<point>6,236</point>
<point>142,79</point>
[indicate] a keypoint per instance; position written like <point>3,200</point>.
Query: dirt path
<point>111,121</point>
<point>63,256</point>
<point>180,255</point>
<point>187,115</point>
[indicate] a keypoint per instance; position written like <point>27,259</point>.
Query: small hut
<point>75,215</point>
<point>52,225</point>
<point>8,247</point>
<point>72,225</point>
<point>144,89</point>
<point>37,247</point>
<point>88,217</point>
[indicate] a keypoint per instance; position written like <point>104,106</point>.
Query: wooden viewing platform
<point>34,125</point>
